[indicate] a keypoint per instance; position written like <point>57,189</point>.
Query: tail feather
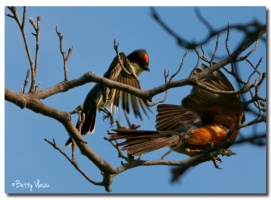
<point>141,142</point>
<point>88,125</point>
<point>143,147</point>
<point>69,141</point>
<point>132,134</point>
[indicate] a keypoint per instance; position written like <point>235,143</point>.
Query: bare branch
<point>150,104</point>
<point>244,89</point>
<point>21,26</point>
<point>180,41</point>
<point>25,81</point>
<point>190,162</point>
<point>81,120</point>
<point>216,48</point>
<point>63,53</point>
<point>203,51</point>
<point>9,15</point>
<point>195,160</point>
<point>192,45</point>
<point>166,75</point>
<point>180,67</point>
<point>259,139</point>
<point>249,53</point>
<point>116,48</point>
<point>227,40</point>
<point>31,102</point>
<point>120,153</point>
<point>204,21</point>
<point>72,161</point>
<point>198,61</point>
<point>255,68</point>
<point>37,87</point>
<point>37,43</point>
<point>147,94</point>
<point>24,17</point>
<point>73,149</point>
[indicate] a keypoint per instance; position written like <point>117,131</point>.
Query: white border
<point>99,3</point>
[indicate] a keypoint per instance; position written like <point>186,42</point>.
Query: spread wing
<point>170,117</point>
<point>214,108</point>
<point>116,98</point>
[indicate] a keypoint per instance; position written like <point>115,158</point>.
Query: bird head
<point>140,60</point>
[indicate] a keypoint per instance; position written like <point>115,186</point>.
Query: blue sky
<point>91,30</point>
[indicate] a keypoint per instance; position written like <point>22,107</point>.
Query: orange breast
<point>208,134</point>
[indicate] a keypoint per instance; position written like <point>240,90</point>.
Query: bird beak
<point>147,69</point>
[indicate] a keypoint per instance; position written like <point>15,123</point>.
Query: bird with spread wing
<point>204,118</point>
<point>101,97</point>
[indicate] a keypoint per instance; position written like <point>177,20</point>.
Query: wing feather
<point>114,96</point>
<point>214,108</point>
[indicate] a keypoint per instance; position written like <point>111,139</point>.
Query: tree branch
<point>25,81</point>
<point>250,35</point>
<point>63,53</point>
<point>21,26</point>
<point>72,161</point>
<point>31,102</point>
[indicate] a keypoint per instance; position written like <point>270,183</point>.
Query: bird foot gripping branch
<point>215,161</point>
<point>223,152</point>
<point>107,115</point>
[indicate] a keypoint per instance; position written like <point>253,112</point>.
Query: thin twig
<point>255,69</point>
<point>197,64</point>
<point>166,75</point>
<point>246,28</point>
<point>180,67</point>
<point>65,58</point>
<point>227,40</point>
<point>73,149</point>
<point>203,51</point>
<point>37,87</point>
<point>21,26</point>
<point>216,48</point>
<point>81,119</point>
<point>25,81</point>
<point>37,43</point>
<point>259,139</point>
<point>180,40</point>
<point>249,53</point>
<point>24,17</point>
<point>150,104</point>
<point>204,21</point>
<point>195,160</point>
<point>120,154</point>
<point>244,89</point>
<point>116,48</point>
<point>73,162</point>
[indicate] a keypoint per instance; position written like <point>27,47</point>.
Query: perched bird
<point>204,118</point>
<point>101,96</point>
